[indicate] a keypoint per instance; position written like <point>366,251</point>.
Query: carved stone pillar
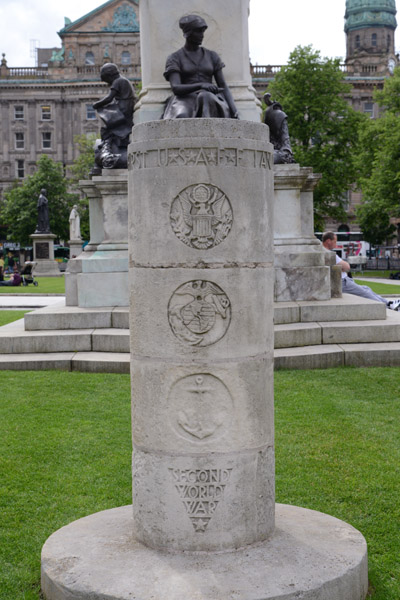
<point>200,206</point>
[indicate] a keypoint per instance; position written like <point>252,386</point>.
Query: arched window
<point>89,58</point>
<point>357,41</point>
<point>374,39</point>
<point>126,58</point>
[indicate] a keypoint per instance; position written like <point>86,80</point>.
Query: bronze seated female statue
<point>190,72</point>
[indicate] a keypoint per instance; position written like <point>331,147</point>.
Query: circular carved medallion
<point>199,313</point>
<point>201,407</point>
<point>201,216</point>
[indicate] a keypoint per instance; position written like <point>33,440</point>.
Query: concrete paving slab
<point>21,301</point>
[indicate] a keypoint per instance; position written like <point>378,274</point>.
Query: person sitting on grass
<point>15,278</point>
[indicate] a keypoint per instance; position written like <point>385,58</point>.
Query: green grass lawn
<point>8,316</point>
<point>384,274</point>
<point>65,453</point>
<point>46,285</point>
<point>381,288</point>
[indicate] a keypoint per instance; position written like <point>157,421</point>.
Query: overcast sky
<point>276,27</point>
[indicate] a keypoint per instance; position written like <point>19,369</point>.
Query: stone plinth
<point>75,248</point>
<point>201,321</point>
<point>227,34</point>
<point>99,275</point>
<point>43,255</point>
<point>311,556</point>
<point>300,270</point>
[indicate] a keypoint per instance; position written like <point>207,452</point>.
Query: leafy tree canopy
<point>19,208</point>
<point>378,164</point>
<point>323,127</point>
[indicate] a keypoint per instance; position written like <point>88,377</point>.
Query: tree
<point>323,127</point>
<point>85,160</point>
<point>378,165</point>
<point>19,209</point>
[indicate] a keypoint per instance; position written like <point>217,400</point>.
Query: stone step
<point>306,357</point>
<point>74,317</point>
<point>91,362</point>
<point>15,340</point>
<point>385,354</point>
<point>348,308</point>
<point>294,335</point>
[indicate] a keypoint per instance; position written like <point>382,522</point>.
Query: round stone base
<point>311,556</point>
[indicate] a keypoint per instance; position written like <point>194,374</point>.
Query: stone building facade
<point>43,108</point>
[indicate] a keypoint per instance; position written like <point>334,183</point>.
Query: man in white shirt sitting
<point>329,241</point>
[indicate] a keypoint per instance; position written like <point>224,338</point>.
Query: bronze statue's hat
<point>189,22</point>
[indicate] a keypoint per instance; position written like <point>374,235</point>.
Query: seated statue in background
<point>190,72</point>
<point>276,120</point>
<point>116,112</point>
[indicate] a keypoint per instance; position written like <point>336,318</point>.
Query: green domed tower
<point>370,27</point>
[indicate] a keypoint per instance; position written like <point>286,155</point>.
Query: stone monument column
<point>201,320</point>
<point>227,34</point>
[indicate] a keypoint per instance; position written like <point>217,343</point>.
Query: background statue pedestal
<point>75,248</point>
<point>299,257</point>
<point>99,275</point>
<point>43,255</point>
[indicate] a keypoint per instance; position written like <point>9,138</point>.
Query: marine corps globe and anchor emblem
<point>199,313</point>
<point>201,216</point>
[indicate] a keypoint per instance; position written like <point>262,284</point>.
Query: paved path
<point>376,279</point>
<point>19,301</point>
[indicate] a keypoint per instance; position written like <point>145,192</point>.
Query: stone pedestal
<point>300,270</point>
<point>99,275</point>
<point>227,34</point>
<point>75,248</point>
<point>43,255</point>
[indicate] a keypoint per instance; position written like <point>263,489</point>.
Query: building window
<point>374,39</point>
<point>89,58</point>
<point>369,109</point>
<point>357,41</point>
<point>20,167</point>
<point>46,140</point>
<point>90,112</point>
<point>19,141</point>
<point>18,112</point>
<point>126,58</point>
<point>46,112</point>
